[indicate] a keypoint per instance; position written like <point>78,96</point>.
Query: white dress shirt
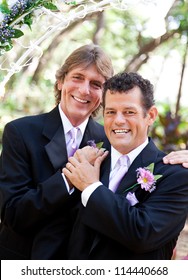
<point>67,127</point>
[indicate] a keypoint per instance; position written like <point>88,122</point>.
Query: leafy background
<point>123,34</point>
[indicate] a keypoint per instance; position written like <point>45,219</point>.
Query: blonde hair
<point>85,55</point>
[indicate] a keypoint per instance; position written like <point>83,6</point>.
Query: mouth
<point>121,131</point>
<point>80,100</point>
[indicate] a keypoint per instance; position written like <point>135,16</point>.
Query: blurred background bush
<point>150,37</point>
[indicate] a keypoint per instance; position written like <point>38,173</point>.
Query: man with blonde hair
<point>35,201</point>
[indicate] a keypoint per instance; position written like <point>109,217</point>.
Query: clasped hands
<point>83,169</point>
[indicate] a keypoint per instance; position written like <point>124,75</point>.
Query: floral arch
<point>16,17</point>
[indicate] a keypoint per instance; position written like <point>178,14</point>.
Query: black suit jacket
<point>110,228</point>
<point>35,204</point>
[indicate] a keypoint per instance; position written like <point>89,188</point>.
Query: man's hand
<point>90,153</point>
<point>80,172</point>
<point>179,157</point>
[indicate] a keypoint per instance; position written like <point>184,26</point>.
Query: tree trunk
<point>181,78</point>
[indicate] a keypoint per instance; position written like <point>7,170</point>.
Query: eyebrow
<point>125,108</point>
<point>77,73</point>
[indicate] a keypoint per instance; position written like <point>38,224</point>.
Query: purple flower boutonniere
<point>92,143</point>
<point>147,181</point>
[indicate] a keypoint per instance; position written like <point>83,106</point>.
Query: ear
<point>152,115</point>
<point>59,85</point>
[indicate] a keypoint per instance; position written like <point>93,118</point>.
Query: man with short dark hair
<point>138,213</point>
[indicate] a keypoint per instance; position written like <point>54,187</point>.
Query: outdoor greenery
<point>122,33</point>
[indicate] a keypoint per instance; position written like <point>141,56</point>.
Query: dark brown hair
<point>123,82</point>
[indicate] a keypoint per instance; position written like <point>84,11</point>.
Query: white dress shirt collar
<point>67,124</point>
<point>115,155</point>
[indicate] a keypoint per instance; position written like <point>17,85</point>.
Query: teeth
<point>80,100</point>
<point>121,131</point>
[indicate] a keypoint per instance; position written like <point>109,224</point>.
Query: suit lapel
<point>93,131</point>
<point>87,135</point>
<point>147,156</point>
<point>105,171</point>
<point>130,177</point>
<point>56,148</point>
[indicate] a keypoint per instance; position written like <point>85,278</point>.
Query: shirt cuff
<point>70,191</point>
<point>88,191</point>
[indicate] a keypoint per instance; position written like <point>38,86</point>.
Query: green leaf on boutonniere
<point>151,168</point>
<point>92,143</point>
<point>146,179</point>
<point>99,145</point>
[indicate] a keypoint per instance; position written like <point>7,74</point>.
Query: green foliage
<point>122,35</point>
<point>4,7</point>
<point>20,13</point>
<point>169,131</point>
<point>179,15</point>
<point>28,20</point>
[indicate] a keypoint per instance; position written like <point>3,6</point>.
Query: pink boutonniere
<point>147,181</point>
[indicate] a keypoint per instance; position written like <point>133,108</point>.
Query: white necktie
<point>118,172</point>
<point>72,145</point>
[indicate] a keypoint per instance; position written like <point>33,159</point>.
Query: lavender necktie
<point>72,145</point>
<point>118,172</point>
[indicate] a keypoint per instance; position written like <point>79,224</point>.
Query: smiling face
<point>125,121</point>
<point>81,93</point>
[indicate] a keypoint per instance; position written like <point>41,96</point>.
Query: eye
<point>96,85</point>
<point>110,112</point>
<point>77,77</point>
<point>129,112</point>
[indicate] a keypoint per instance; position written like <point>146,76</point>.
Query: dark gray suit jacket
<point>35,204</point>
<point>109,228</point>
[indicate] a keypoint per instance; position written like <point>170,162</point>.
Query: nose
<point>120,118</point>
<point>84,88</point>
